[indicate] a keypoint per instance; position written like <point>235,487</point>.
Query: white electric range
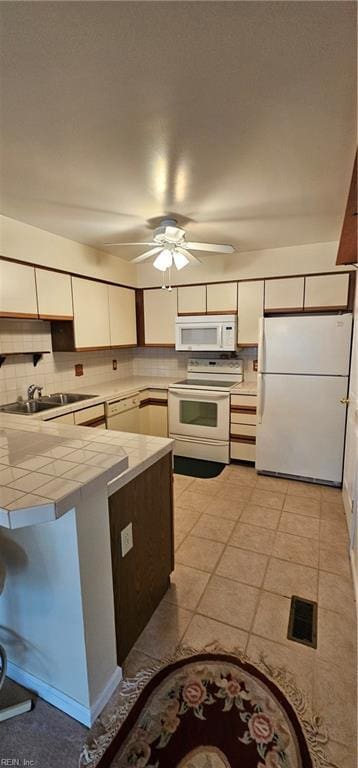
<point>199,408</point>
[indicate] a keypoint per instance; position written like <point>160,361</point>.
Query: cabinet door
<point>250,309</point>
<point>221,297</point>
<point>122,316</point>
<point>54,295</point>
<point>326,291</point>
<point>91,314</point>
<point>192,300</point>
<point>17,290</point>
<point>283,294</point>
<point>160,311</point>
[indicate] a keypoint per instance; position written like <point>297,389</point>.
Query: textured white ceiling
<point>238,117</point>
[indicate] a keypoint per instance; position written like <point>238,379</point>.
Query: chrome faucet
<point>31,391</point>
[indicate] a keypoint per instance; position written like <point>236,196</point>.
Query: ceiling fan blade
<point>147,254</point>
<point>189,255</point>
<point>130,243</point>
<point>216,248</point>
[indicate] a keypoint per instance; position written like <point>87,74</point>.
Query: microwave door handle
<point>221,336</point>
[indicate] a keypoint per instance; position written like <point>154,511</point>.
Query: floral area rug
<point>207,710</point>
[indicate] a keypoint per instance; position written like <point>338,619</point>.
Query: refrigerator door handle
<point>260,385</point>
<point>260,360</point>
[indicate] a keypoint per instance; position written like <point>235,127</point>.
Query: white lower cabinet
<point>153,413</point>
<point>93,415</point>
<point>243,427</point>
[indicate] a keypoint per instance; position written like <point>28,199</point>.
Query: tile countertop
<point>246,388</point>
<point>108,391</point>
<point>47,469</point>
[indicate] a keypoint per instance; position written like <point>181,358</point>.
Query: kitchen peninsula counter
<point>66,495</point>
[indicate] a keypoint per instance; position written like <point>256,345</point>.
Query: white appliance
<point>303,366</point>
<point>199,408</point>
<point>206,333</point>
<point>123,414</point>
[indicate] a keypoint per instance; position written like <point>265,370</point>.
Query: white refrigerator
<point>303,368</point>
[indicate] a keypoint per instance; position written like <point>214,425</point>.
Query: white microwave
<point>214,333</point>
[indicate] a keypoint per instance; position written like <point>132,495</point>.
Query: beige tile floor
<point>244,545</point>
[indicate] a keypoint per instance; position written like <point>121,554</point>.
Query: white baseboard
<point>106,693</point>
<point>80,712</point>
<point>347,502</point>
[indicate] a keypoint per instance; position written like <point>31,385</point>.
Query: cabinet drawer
<point>243,417</point>
<point>244,400</point>
<point>67,418</point>
<point>242,451</point>
<point>89,414</point>
<point>242,430</point>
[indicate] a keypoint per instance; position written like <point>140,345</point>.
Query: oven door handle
<point>196,394</point>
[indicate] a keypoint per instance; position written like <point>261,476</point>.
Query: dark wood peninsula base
<point>141,577</point>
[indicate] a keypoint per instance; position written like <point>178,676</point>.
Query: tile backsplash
<point>56,371</point>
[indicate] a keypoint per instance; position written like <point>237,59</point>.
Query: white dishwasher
<point>123,414</point>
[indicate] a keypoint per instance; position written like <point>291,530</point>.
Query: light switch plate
<point>126,539</point>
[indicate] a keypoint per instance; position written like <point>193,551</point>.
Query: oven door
<point>205,336</point>
<point>200,414</point>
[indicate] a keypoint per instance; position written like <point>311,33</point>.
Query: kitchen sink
<point>27,407</point>
<point>64,398</point>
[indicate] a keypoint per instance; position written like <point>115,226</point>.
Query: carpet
<point>197,467</point>
<point>208,710</point>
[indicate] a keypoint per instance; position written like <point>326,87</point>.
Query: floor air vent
<point>302,626</point>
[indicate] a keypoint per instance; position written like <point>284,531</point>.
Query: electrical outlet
<point>114,365</point>
<point>78,369</point>
<point>126,539</point>
<point>255,365</point>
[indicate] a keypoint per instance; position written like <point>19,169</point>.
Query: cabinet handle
<point>344,400</point>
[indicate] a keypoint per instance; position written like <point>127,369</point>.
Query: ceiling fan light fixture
<point>180,260</point>
<point>164,260</point>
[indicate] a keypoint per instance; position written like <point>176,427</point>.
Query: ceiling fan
<point>171,247</point>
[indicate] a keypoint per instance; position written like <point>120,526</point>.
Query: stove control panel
<point>215,365</point>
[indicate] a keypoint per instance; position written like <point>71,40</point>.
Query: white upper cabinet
<point>326,291</point>
<point>17,290</point>
<point>250,309</point>
<point>54,295</point>
<point>221,297</point>
<point>122,316</point>
<point>91,314</point>
<point>192,300</point>
<point>160,311</point>
<point>286,293</point>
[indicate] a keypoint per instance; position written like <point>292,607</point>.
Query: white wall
<point>350,477</point>
<point>26,243</point>
<point>291,260</point>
